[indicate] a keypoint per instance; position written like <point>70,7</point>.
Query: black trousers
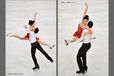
<point>81,56</point>
<point>33,51</point>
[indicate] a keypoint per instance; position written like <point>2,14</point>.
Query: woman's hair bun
<point>86,17</point>
<point>31,22</point>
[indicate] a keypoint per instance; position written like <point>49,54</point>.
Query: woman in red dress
<point>81,26</point>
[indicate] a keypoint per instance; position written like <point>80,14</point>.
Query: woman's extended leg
<point>19,37</point>
<point>43,52</point>
<point>45,44</point>
<point>70,41</point>
<point>74,39</point>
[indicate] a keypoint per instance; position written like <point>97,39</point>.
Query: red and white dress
<point>78,32</point>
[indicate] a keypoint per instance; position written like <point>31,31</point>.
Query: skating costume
<point>35,45</point>
<point>81,56</point>
<point>27,36</point>
<point>78,32</point>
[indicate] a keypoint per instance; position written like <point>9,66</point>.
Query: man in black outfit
<point>81,56</point>
<point>35,45</point>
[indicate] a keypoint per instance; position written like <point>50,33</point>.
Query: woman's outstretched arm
<point>35,16</point>
<point>85,9</point>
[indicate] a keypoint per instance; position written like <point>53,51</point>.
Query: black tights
<point>82,54</point>
<point>33,51</point>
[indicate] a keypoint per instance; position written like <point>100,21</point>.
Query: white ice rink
<point>70,15</point>
<point>18,53</point>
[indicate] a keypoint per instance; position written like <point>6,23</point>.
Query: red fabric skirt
<point>78,33</point>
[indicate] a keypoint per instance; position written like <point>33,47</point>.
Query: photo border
<point>2,37</point>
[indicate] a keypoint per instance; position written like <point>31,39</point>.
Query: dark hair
<point>86,17</point>
<point>31,22</point>
<point>36,30</point>
<point>90,24</point>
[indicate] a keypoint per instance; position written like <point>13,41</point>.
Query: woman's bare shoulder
<point>81,24</point>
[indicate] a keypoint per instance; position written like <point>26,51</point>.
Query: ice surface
<point>18,54</point>
<point>70,15</point>
<point>18,58</point>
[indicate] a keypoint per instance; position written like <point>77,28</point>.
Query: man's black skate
<point>80,71</point>
<point>36,67</point>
